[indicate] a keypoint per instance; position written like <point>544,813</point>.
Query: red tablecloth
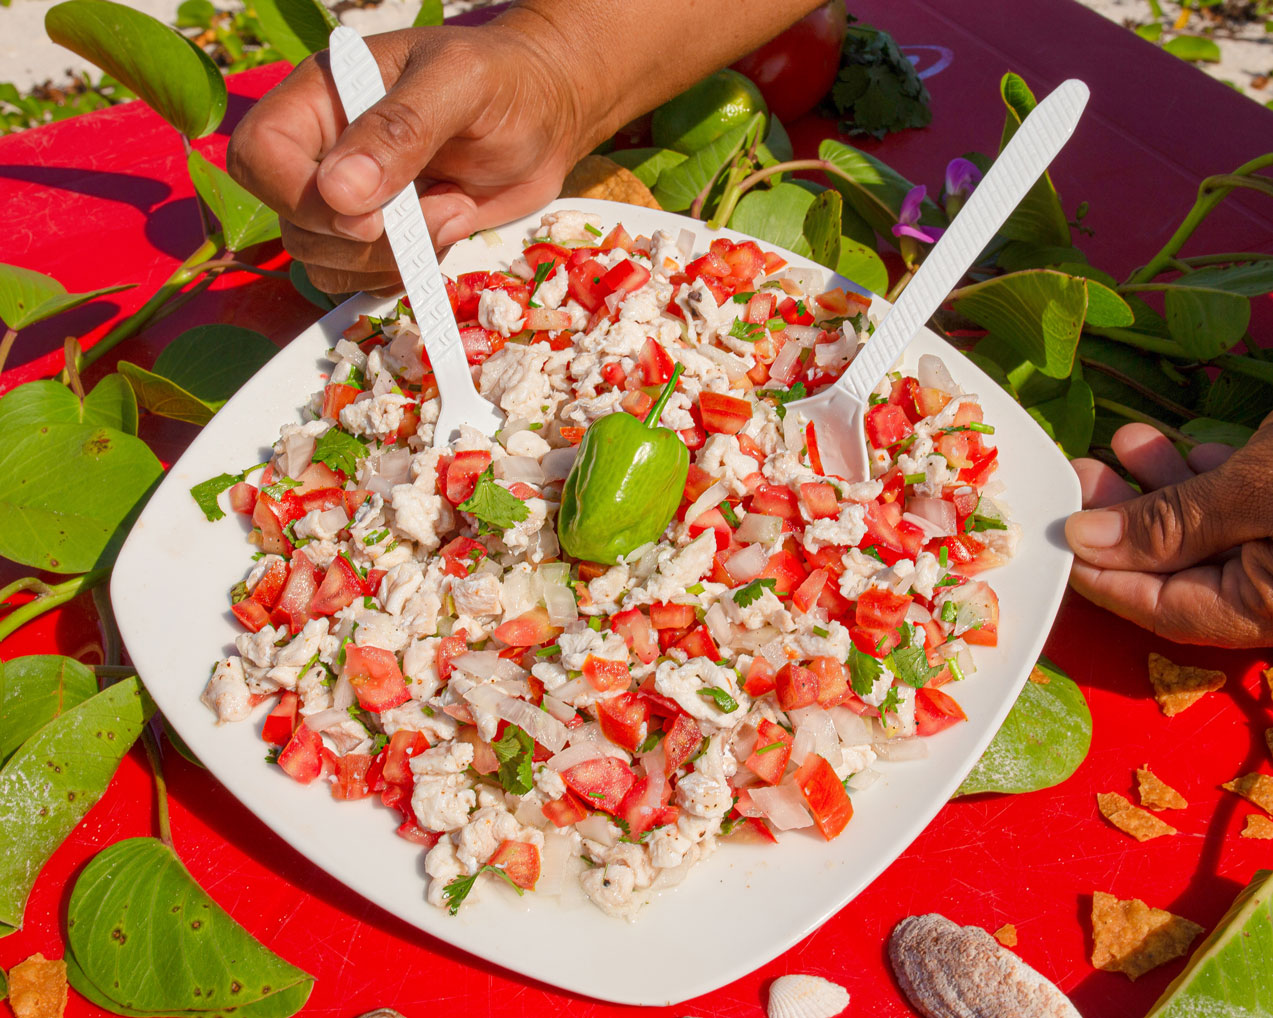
<point>104,199</point>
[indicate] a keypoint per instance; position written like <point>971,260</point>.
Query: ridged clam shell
<point>802,996</point>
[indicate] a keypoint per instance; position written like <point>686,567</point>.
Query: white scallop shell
<point>802,996</point>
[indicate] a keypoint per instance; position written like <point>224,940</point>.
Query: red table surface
<point>113,183</point>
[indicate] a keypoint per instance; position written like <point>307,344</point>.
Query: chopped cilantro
<point>592,229</point>
<point>594,623</point>
<point>949,581</point>
<point>892,701</point>
<point>743,298</point>
<point>911,666</point>
<point>746,330</point>
<point>943,557</point>
<point>205,494</point>
<point>496,508</point>
<point>695,588</point>
<point>548,651</point>
<point>280,487</point>
<point>754,591</point>
<point>976,523</point>
<point>513,750</point>
<point>876,399</point>
<point>948,611</point>
<point>541,273</point>
<point>874,553</point>
<point>722,699</point>
<point>785,396</point>
<point>707,741</point>
<point>730,824</point>
<point>650,742</point>
<point>913,478</point>
<point>377,537</point>
<point>731,517</point>
<point>239,592</point>
<point>458,889</point>
<point>819,631</point>
<point>379,742</point>
<point>956,672</point>
<point>369,602</point>
<point>771,747</point>
<point>271,756</point>
<point>864,670</point>
<point>339,450</point>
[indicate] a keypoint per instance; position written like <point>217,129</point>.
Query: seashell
<point>952,971</point>
<point>802,996</point>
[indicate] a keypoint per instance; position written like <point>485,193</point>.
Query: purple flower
<point>908,218</point>
<point>962,177</point>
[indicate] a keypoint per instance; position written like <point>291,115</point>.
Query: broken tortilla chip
<point>37,988</point>
<point>1156,793</point>
<point>1256,788</point>
<point>1268,739</point>
<point>1006,935</point>
<point>1258,827</point>
<point>598,177</point>
<point>1129,819</point>
<point>1268,678</point>
<point>1178,687</point>
<point>1132,938</point>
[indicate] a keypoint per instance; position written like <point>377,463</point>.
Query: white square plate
<point>174,632</point>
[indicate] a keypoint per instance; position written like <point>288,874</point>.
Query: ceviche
<point>415,633</point>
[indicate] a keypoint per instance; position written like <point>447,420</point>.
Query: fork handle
<point>1025,158</point>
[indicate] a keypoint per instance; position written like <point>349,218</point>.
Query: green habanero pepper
<point>625,486</point>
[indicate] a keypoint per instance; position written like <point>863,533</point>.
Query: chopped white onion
<point>918,614</point>
<point>596,828</point>
<point>851,728</point>
<point>590,732</point>
<point>821,733</point>
<point>783,805</point>
<point>805,335</point>
<point>783,369</point>
<point>481,664</point>
<point>668,878</point>
<point>560,602</point>
<point>297,451</point>
<point>934,512</point>
<point>613,300</point>
<point>864,779</point>
<point>322,720</point>
<point>809,280</point>
<point>556,463</point>
<point>333,519</point>
<point>747,563</point>
<point>718,624</point>
<point>343,694</point>
<point>759,528</point>
<point>515,593</point>
<point>529,814</point>
<point>775,652</point>
<point>902,749</point>
<point>557,854</point>
<point>685,245</point>
<point>519,468</point>
<point>574,689</point>
<point>559,709</point>
<point>394,465</point>
<point>540,726</point>
<point>932,374</point>
<point>710,499</point>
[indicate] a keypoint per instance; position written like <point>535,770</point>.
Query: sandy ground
<point>27,57</point>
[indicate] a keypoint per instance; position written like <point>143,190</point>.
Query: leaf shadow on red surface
<point>143,193</point>
<point>46,337</point>
<point>173,228</point>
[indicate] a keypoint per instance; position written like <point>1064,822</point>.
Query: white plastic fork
<point>838,412</point>
<point>360,87</point>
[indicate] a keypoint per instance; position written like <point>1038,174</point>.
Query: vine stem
<point>140,318</point>
<point>731,198</point>
<point>1243,365</point>
<point>1225,258</point>
<point>6,345</point>
<point>1175,434</point>
<point>1129,337</point>
<point>26,583</point>
<point>55,596</point>
<point>149,741</point>
<point>220,264</point>
<point>1211,192</point>
<point>1165,402</point>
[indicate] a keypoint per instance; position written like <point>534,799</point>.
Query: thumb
<point>388,145</point>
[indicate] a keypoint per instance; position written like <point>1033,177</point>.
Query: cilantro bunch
<point>877,91</point>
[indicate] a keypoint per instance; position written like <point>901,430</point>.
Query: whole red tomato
<point>797,68</point>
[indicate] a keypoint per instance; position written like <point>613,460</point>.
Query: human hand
<point>475,115</point>
<point>1191,559</point>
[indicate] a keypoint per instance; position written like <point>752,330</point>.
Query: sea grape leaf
<point>430,14</point>
<point>245,220</point>
<point>199,371</point>
<point>1237,398</point>
<point>678,185</point>
<point>146,937</point>
<point>54,778</point>
<point>876,190</point>
<point>862,264</point>
<point>1069,419</point>
<point>1105,308</point>
<point>296,28</point>
<point>36,689</point>
<point>27,297</point>
<point>1228,973</point>
<point>776,148</point>
<point>195,14</point>
<point>300,280</point>
<point>69,492</point>
<point>1039,217</point>
<point>1205,322</point>
<point>1193,48</point>
<point>1207,429</point>
<point>821,228</point>
<point>44,401</point>
<point>776,215</point>
<point>1043,740</point>
<point>1132,363</point>
<point>1253,279</point>
<point>167,71</point>
<point>1021,254</point>
<point>1038,311</point>
<point>647,163</point>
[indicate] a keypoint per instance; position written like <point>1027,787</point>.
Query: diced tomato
<point>353,499</point>
<point>761,677</point>
<point>461,555</point>
<point>833,683</point>
<point>694,438</point>
<point>601,783</point>
<point>722,414</point>
<point>681,742</point>
<point>811,443</point>
<point>773,262</point>
<point>637,633</point>
<point>659,704</point>
<point>643,806</point>
<point>760,308</point>
<point>698,642</point>
<point>834,301</point>
<point>242,497</point>
<point>411,831</point>
<point>302,757</point>
<point>936,711</point>
<point>711,264</point>
<point>480,343</point>
<point>929,401</point>
<point>547,319</point>
<point>656,364</point>
<point>529,629</point>
<point>819,499</point>
<point>881,521</point>
<point>795,312</point>
<point>484,759</point>
<point>613,374</point>
<point>785,567</point>
<point>624,719</point>
<point>829,558</point>
<point>566,811</point>
<point>376,677</point>
<point>281,722</point>
<point>978,471</point>
<point>777,500</point>
<point>881,609</point>
<point>520,862</point>
<point>894,485</point>
<point>636,403</point>
<point>796,687</point>
<point>987,634</point>
<point>955,447</point>
<point>340,587</point>
<point>961,549</point>
<point>876,642</point>
<point>666,615</point>
<point>769,759</point>
<point>825,794</point>
<point>605,675</point>
<point>292,609</point>
<point>463,472</point>
<point>336,397</point>
<point>697,481</point>
<point>714,520</point>
<point>350,776</point>
<point>402,747</point>
<point>903,394</point>
<point>468,292</point>
<point>617,238</point>
<point>886,425</point>
<point>806,595</point>
<point>537,254</point>
<point>749,447</point>
<point>625,277</point>
<point>573,435</point>
<point>372,582</point>
<point>251,615</point>
<point>586,286</point>
<point>271,516</point>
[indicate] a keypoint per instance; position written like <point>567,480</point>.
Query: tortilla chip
<point>1258,827</point>
<point>37,988</point>
<point>1132,938</point>
<point>1256,788</point>
<point>1268,739</point>
<point>1129,819</point>
<point>1177,687</point>
<point>599,177</point>
<point>1268,678</point>
<point>1156,793</point>
<point>1006,935</point>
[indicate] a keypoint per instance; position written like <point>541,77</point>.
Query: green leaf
<point>1133,363</point>
<point>296,28</point>
<point>339,450</point>
<point>110,404</point>
<point>753,592</point>
<point>1194,49</point>
<point>776,148</point>
<point>199,371</point>
<point>514,750</point>
<point>647,163</point>
<point>36,689</point>
<point>195,14</point>
<point>1151,32</point>
<point>1043,740</point>
<point>1039,311</point>
<point>4,982</point>
<point>1251,280</point>
<point>430,14</point>
<point>1105,308</point>
<point>1206,322</point>
<point>147,938</point>
<point>493,505</point>
<point>876,190</point>
<point>27,297</point>
<point>1069,420</point>
<point>244,219</point>
<point>1039,218</point>
<point>166,70</point>
<point>69,493</point>
<point>1228,973</point>
<point>862,265</point>
<point>1020,254</point>
<point>776,215</point>
<point>300,280</point>
<point>55,777</point>
<point>821,228</point>
<point>1237,398</point>
<point>678,185</point>
<point>863,671</point>
<point>1207,429</point>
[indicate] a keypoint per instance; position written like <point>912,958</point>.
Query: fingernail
<point>363,228</point>
<point>1098,528</point>
<point>456,228</point>
<point>358,175</point>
